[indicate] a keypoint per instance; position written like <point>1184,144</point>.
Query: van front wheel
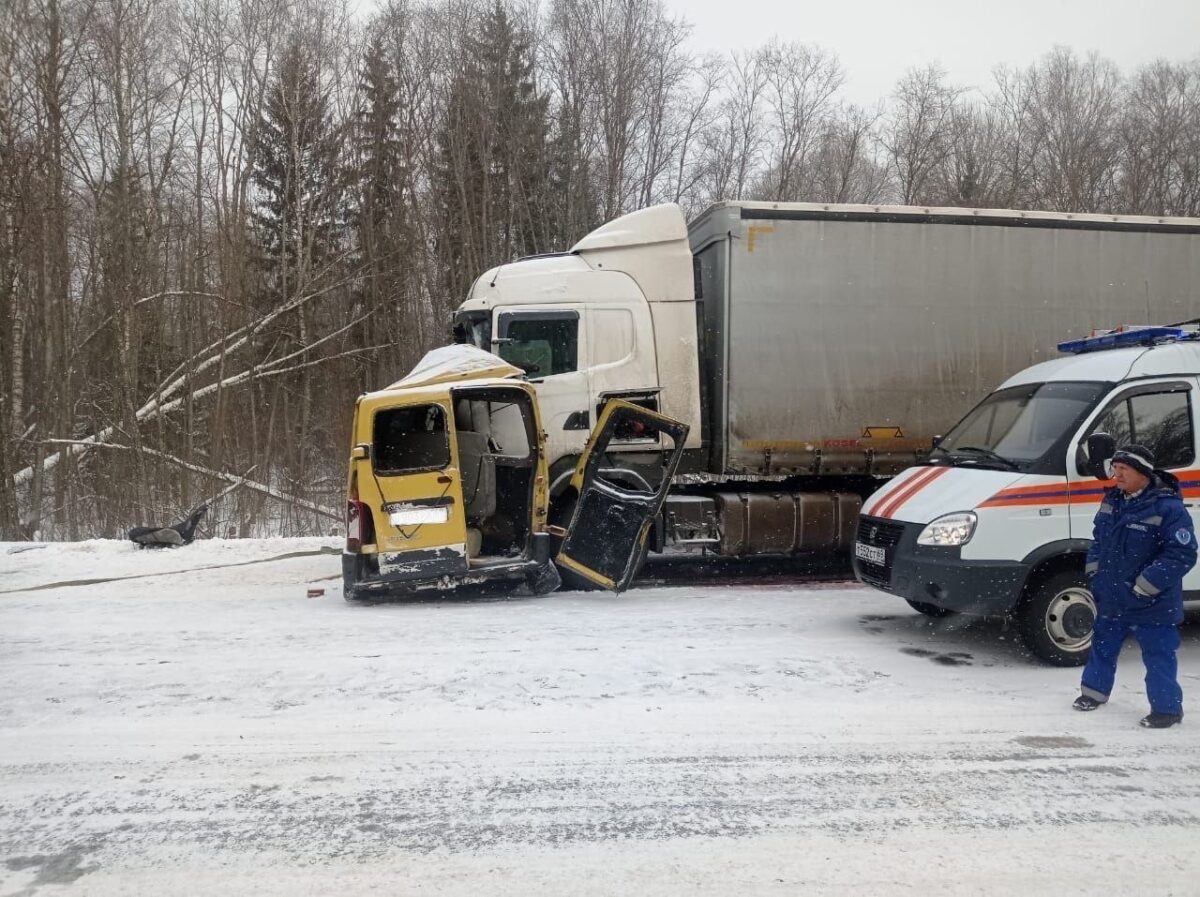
<point>544,580</point>
<point>1055,619</point>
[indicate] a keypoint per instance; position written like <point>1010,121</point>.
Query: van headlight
<point>949,530</point>
<point>416,515</point>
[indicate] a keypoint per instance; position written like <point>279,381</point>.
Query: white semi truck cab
<point>998,520</point>
<point>614,317</point>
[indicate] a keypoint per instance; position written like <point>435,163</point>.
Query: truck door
<point>545,343</point>
<point>1159,415</point>
<point>606,538</point>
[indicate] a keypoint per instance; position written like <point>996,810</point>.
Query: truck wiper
<point>988,453</point>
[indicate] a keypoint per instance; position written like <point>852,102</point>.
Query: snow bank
<point>217,732</point>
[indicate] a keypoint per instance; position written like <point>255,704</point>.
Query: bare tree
<point>846,167</point>
<point>733,145</point>
<point>1074,107</point>
<point>972,171</point>
<point>1009,103</point>
<point>1160,141</point>
<point>917,132</point>
<point>803,82</point>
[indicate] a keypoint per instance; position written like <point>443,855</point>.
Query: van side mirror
<point>1100,448</point>
<point>361,452</point>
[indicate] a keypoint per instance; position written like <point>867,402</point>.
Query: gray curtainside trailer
<point>841,339</point>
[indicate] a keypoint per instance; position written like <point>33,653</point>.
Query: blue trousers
<point>1159,645</point>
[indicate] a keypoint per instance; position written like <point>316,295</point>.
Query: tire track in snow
<point>464,803</point>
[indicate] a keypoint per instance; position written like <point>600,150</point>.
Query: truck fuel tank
<point>748,523</point>
<point>786,522</point>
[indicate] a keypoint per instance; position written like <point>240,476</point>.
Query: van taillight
<point>359,528</point>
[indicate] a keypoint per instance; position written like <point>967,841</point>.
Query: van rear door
<point>606,538</point>
<point>413,473</point>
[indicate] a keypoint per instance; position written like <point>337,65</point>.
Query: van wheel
<point>544,581</point>
<point>351,592</point>
<point>929,610</point>
<point>1055,619</point>
<point>353,597</point>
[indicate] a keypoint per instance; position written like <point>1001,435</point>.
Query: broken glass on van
<point>410,439</point>
<point>1015,428</point>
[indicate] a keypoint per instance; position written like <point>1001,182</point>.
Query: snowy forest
<point>222,220</point>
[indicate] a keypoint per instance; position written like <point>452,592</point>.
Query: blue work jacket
<point>1145,542</point>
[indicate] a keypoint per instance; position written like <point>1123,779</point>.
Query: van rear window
<point>410,439</point>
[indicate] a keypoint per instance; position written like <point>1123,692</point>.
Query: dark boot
<point>1161,720</point>
<point>1083,702</point>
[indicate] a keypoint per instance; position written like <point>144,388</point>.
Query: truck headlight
<point>949,530</point>
<point>415,515</point>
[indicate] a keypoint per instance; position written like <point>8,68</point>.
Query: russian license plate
<point>872,554</point>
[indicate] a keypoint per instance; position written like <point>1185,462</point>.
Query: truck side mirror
<point>360,452</point>
<point>1100,448</point>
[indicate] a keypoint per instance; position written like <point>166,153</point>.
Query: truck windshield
<point>1017,427</point>
<point>474,328</point>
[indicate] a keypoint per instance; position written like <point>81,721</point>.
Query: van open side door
<point>606,538</point>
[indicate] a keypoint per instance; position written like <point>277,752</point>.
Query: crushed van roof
<point>450,364</point>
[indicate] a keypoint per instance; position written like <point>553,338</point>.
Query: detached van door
<point>608,530</point>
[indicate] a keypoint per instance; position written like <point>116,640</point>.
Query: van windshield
<point>1015,428</point>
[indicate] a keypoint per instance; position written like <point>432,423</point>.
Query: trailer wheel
<point>1055,619</point>
<point>929,610</point>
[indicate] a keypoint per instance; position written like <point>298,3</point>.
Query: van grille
<point>880,534</point>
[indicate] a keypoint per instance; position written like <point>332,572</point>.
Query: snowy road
<point>218,732</point>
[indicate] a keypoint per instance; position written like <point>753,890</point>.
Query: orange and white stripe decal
<point>884,495</point>
<point>1081,492</point>
<point>894,502</point>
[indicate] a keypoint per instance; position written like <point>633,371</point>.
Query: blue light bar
<point>1142,336</point>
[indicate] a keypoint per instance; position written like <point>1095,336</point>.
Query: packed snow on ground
<point>192,722</point>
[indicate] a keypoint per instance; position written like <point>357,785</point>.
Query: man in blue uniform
<point>1143,545</point>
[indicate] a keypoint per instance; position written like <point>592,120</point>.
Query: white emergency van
<point>998,520</point>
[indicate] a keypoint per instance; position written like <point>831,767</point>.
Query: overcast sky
<point>877,40</point>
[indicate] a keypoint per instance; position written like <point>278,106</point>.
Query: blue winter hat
<point>1136,456</point>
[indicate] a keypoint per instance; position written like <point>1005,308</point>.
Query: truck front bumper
<point>932,575</point>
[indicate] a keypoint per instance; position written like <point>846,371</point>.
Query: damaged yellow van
<point>448,486</point>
